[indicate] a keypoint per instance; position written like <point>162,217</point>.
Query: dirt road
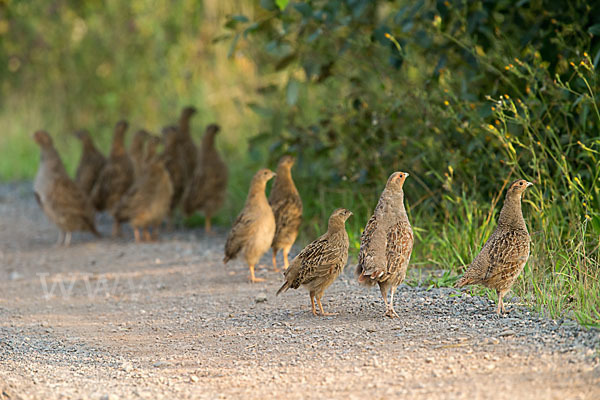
<point>109,319</point>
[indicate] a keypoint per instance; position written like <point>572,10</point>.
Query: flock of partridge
<point>143,187</point>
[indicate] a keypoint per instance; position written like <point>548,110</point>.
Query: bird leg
<point>67,239</point>
<point>500,309</point>
<point>207,225</point>
<point>253,278</point>
<point>390,312</point>
<point>147,236</point>
<point>321,306</point>
<point>155,230</point>
<point>61,238</point>
<point>312,303</point>
<point>286,263</point>
<point>116,229</point>
<point>136,234</point>
<point>275,260</point>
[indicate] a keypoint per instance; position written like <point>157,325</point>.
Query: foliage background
<point>464,95</point>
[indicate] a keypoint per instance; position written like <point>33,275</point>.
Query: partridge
<point>175,165</point>
<point>206,191</point>
<point>321,262</point>
<point>386,243</point>
<point>136,150</point>
<point>63,202</point>
<point>185,143</point>
<point>287,208</point>
<point>147,202</point>
<point>90,164</point>
<point>115,178</point>
<point>253,230</point>
<point>505,253</point>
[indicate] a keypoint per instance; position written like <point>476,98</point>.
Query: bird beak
<point>529,184</point>
<point>407,174</point>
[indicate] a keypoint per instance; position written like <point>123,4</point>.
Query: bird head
<point>213,129</point>
<point>42,138</point>
<point>338,218</point>
<point>263,176</point>
<point>287,161</point>
<point>188,111</point>
<point>396,180</point>
<point>121,126</point>
<point>169,134</point>
<point>518,187</point>
<point>82,134</point>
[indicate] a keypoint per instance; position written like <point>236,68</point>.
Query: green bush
<point>466,96</point>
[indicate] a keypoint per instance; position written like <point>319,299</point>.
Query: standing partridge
<point>63,202</point>
<point>287,207</point>
<point>386,243</point>
<point>90,164</point>
<point>505,253</point>
<point>206,191</point>
<point>253,230</point>
<point>115,178</point>
<point>136,150</point>
<point>321,262</point>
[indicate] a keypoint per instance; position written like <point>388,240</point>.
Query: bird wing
<point>507,253</point>
<point>398,247</point>
<point>238,234</point>
<point>69,201</point>
<point>288,214</point>
<point>320,258</point>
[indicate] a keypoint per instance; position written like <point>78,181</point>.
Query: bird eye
<point>520,183</point>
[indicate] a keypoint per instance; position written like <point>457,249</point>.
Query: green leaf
<point>282,4</point>
<point>304,8</point>
<point>292,92</point>
<point>233,45</point>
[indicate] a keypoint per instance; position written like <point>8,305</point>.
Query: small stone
<point>159,364</point>
<point>14,275</point>
<point>261,297</point>
<point>194,378</point>
<point>110,396</point>
<point>370,329</point>
<point>506,333</point>
<point>429,360</point>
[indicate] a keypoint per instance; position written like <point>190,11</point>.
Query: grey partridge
<point>206,191</point>
<point>147,202</point>
<point>386,243</point>
<point>321,262</point>
<point>175,165</point>
<point>287,208</point>
<point>115,178</point>
<point>90,164</point>
<point>505,253</point>
<point>253,230</point>
<point>137,151</point>
<point>63,202</point>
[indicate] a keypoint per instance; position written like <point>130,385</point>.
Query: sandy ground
<point>107,319</point>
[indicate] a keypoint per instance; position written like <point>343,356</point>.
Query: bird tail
<point>463,281</point>
<point>363,279</point>
<point>283,288</point>
<point>225,259</point>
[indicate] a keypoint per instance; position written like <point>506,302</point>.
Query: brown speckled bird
<point>136,150</point>
<point>386,243</point>
<point>147,202</point>
<point>321,262</point>
<point>90,164</point>
<point>63,202</point>
<point>287,207</point>
<point>176,166</point>
<point>206,191</point>
<point>186,146</point>
<point>115,178</point>
<point>505,253</point>
<point>253,230</point>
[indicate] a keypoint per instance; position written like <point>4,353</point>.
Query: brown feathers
<point>287,208</point>
<point>321,262</point>
<point>504,255</point>
<point>90,163</point>
<point>253,230</point>
<point>63,202</point>
<point>206,191</point>
<point>386,243</point>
